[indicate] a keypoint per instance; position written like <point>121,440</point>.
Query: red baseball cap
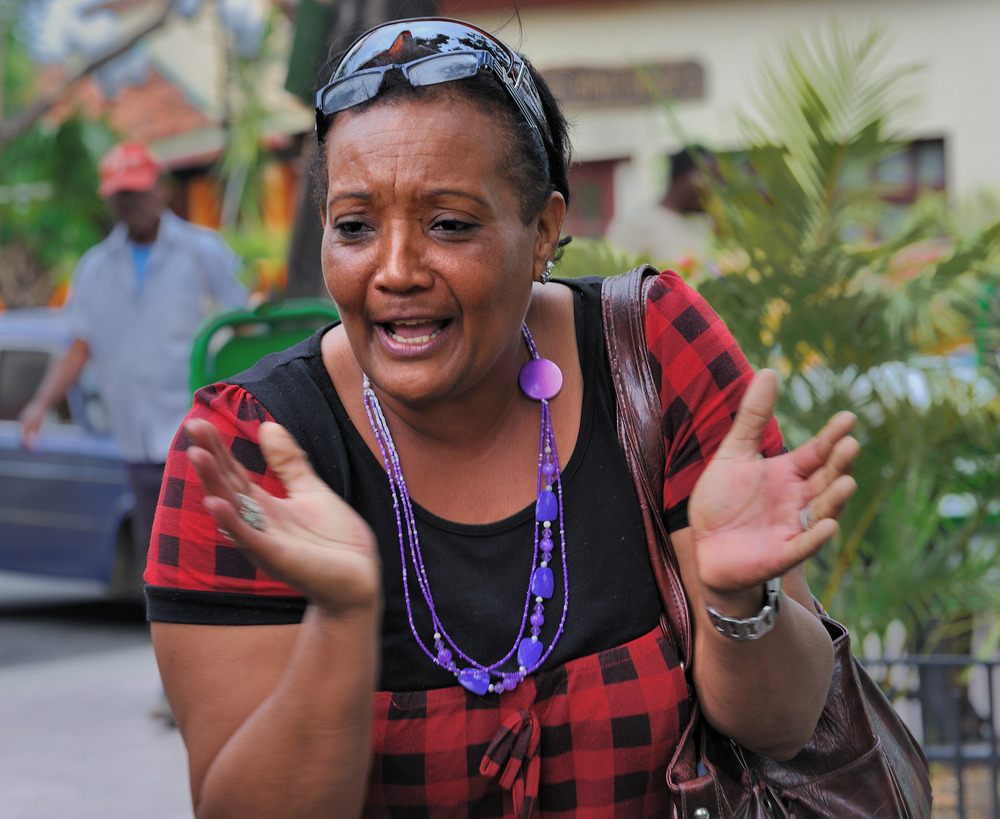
<point>128,166</point>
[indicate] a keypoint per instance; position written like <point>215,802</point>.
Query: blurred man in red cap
<point>135,302</point>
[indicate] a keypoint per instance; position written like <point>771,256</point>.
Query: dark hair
<point>688,159</point>
<point>536,165</point>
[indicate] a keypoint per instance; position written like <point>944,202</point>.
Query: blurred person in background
<point>136,300</point>
<point>676,233</point>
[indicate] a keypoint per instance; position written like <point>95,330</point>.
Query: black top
<point>478,574</point>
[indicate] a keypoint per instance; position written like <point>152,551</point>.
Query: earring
<point>547,273</point>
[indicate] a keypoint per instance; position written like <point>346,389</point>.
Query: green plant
<point>880,321</point>
<point>50,212</point>
<point>246,121</point>
<point>587,256</point>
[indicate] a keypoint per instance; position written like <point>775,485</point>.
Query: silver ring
<point>806,517</point>
<point>249,512</point>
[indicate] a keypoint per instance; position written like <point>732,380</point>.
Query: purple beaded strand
<point>529,650</point>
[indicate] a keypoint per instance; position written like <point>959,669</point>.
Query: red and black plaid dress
<point>590,734</point>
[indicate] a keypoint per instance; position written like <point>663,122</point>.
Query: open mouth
<point>414,331</point>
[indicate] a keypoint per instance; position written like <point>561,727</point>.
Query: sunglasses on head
<point>460,51</point>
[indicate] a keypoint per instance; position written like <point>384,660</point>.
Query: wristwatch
<point>751,628</point>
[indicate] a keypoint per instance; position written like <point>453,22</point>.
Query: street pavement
<point>77,740</point>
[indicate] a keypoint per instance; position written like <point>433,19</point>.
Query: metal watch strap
<point>751,628</point>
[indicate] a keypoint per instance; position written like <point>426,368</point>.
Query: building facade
<point>707,54</point>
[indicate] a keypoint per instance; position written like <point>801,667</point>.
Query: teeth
<point>414,340</point>
<point>411,339</point>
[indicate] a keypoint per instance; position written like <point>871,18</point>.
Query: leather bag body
<point>862,760</point>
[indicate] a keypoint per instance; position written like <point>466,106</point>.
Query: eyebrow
<point>463,194</point>
<point>434,194</point>
<point>367,197</point>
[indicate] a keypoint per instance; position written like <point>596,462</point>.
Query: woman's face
<point>424,248</point>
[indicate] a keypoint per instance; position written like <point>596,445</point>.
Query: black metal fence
<point>949,701</point>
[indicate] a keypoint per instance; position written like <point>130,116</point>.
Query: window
<point>918,168</point>
<point>903,178</point>
<point>899,180</point>
<point>591,206</point>
<point>21,371</point>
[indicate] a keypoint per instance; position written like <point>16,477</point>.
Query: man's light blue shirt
<point>140,338</point>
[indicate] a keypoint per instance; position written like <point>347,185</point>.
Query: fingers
<point>809,543</point>
<point>820,515</point>
<point>826,449</point>
<point>756,409</point>
<point>288,460</point>
<point>220,473</point>
<point>291,465</point>
<point>843,452</point>
<point>305,536</point>
<point>31,426</point>
<point>828,461</point>
<point>225,480</point>
<point>839,461</point>
<point>832,500</point>
<point>819,521</point>
<point>835,433</point>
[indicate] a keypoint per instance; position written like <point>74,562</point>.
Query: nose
<point>402,264</point>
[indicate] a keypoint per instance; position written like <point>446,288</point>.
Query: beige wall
<point>955,41</point>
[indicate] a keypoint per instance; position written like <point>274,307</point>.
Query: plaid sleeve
<point>702,375</point>
<point>187,551</point>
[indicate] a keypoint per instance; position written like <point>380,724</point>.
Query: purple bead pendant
<point>543,582</point>
<point>541,379</point>
<point>475,680</point>
<point>529,652</point>
<point>547,506</point>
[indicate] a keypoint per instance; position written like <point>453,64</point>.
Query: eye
<point>350,228</point>
<point>451,225</point>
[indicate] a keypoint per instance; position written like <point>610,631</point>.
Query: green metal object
<point>229,342</point>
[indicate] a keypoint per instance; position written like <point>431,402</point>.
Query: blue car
<point>65,507</point>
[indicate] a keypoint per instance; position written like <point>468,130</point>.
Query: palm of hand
<point>744,514</point>
<point>746,511</point>
<point>320,546</point>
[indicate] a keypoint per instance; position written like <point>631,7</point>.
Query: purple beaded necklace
<point>541,380</point>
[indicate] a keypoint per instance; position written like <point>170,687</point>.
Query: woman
<point>443,515</point>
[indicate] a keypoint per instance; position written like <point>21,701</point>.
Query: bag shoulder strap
<point>640,431</point>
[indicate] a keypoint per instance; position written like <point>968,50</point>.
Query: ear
<point>550,223</point>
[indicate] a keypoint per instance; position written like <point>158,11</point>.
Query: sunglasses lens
<point>443,68</point>
<point>350,91</point>
<point>434,34</point>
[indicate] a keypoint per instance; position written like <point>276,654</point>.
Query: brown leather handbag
<point>862,761</point>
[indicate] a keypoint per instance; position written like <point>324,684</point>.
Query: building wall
<point>955,42</point>
<point>191,55</point>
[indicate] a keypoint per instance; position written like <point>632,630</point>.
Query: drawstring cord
<point>513,758</point>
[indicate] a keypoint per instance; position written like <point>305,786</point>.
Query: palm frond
<point>870,325</point>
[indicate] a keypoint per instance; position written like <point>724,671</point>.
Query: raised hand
<point>756,518</point>
<point>312,540</point>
